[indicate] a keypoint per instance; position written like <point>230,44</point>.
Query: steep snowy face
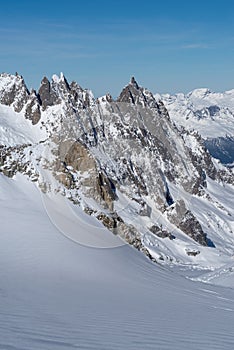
<point>209,113</point>
<point>127,165</point>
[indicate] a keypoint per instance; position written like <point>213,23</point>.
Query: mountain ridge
<point>124,162</point>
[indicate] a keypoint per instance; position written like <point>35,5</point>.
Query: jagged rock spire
<point>46,94</point>
<point>130,93</point>
<point>33,110</point>
<point>134,83</point>
<point>135,94</point>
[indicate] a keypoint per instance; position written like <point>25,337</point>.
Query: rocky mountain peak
<point>45,81</point>
<point>13,91</point>
<point>47,94</point>
<point>59,90</point>
<point>62,81</point>
<point>134,94</point>
<point>199,93</point>
<point>134,83</point>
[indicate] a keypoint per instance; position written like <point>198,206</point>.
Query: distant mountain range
<point>209,113</point>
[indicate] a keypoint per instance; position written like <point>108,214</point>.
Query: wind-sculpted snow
<point>56,294</point>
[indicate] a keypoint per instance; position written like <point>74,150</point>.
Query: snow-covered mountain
<point>125,164</point>
<point>210,114</point>
<point>105,173</point>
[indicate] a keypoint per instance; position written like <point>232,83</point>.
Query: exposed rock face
<point>58,90</point>
<point>160,232</point>
<point>47,94</point>
<point>134,94</point>
<point>75,157</point>
<point>33,110</point>
<point>106,189</point>
<point>13,160</point>
<point>192,252</point>
<point>187,222</point>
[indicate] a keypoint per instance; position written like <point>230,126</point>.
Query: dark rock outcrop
<point>33,109</point>
<point>46,94</point>
<point>161,233</point>
<point>187,222</point>
<point>134,94</point>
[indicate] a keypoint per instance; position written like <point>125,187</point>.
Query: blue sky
<point>169,46</point>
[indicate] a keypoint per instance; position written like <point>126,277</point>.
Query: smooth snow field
<point>56,294</point>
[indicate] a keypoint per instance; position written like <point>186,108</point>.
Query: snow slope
<point>56,294</point>
<point>16,130</point>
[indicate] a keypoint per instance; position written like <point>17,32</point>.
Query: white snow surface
<point>16,130</point>
<point>192,111</point>
<point>57,294</point>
